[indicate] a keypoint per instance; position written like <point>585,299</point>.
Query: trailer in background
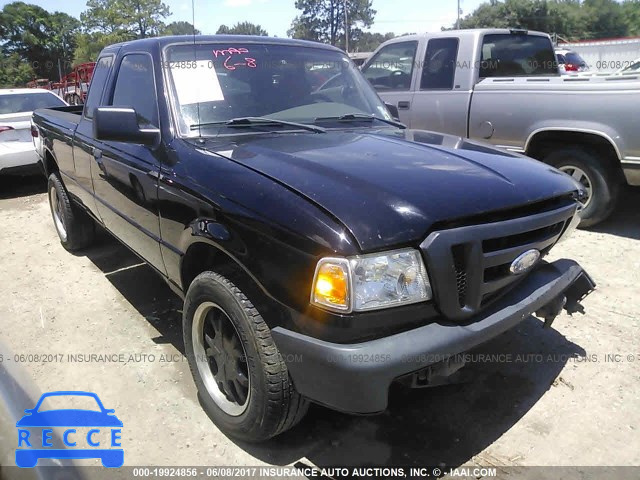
<point>73,87</point>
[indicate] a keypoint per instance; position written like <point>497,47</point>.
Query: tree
<point>631,15</point>
<point>179,28</point>
<point>243,28</point>
<point>136,18</point>
<point>308,28</point>
<point>15,72</point>
<point>324,20</point>
<point>41,38</point>
<point>605,19</point>
<point>113,21</point>
<point>366,41</point>
<point>89,45</point>
<point>571,19</point>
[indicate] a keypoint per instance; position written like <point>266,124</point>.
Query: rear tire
<point>603,183</point>
<point>263,402</point>
<point>75,228</point>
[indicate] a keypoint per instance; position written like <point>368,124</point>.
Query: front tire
<point>601,183</point>
<point>242,380</point>
<point>75,228</point>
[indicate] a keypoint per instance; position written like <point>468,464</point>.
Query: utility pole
<point>458,21</point>
<point>346,27</point>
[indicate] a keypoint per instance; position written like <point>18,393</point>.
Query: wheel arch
<point>49,162</point>
<point>206,254</point>
<point>562,133</point>
<point>543,141</point>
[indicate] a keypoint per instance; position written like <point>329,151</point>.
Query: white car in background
<point>569,62</point>
<point>17,151</point>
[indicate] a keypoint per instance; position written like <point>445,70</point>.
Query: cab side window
<point>439,67</point>
<point>135,88</point>
<point>100,75</point>
<point>392,67</point>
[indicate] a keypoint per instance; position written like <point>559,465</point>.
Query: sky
<point>275,16</point>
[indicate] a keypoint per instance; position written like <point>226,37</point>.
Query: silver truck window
<point>100,75</point>
<point>135,88</point>
<point>517,55</point>
<point>392,67</point>
<point>439,67</point>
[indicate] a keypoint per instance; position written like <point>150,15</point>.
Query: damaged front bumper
<point>355,378</point>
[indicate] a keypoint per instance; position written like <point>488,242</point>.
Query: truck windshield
<point>215,83</point>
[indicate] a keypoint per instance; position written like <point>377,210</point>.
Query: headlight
<point>369,282</point>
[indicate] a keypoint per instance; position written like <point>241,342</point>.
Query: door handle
<point>159,177</point>
<point>404,105</point>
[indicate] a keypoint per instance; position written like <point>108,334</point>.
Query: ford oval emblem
<point>524,262</point>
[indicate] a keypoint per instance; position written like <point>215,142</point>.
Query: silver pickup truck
<point>503,86</point>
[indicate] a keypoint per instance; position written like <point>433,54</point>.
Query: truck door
<point>83,143</point>
<point>391,71</point>
<point>439,103</point>
<point>125,174</point>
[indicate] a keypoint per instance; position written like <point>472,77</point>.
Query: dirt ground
<point>577,405</point>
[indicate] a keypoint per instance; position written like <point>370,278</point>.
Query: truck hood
<point>388,187</point>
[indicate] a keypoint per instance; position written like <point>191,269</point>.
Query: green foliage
<point>15,72</point>
<point>571,19</point>
<point>243,28</point>
<point>324,20</point>
<point>89,45</point>
<point>179,28</point>
<point>308,28</point>
<point>38,37</point>
<point>605,19</point>
<point>112,21</point>
<point>137,18</point>
<point>631,15</point>
<point>367,41</point>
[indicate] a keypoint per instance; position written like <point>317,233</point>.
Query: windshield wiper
<point>347,117</point>
<point>258,122</point>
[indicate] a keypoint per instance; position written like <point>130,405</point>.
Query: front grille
<point>502,243</point>
<point>469,265</point>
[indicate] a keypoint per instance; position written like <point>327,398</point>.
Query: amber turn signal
<point>331,284</point>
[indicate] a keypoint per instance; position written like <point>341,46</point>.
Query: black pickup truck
<point>323,250</point>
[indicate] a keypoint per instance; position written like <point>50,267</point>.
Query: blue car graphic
<point>28,457</point>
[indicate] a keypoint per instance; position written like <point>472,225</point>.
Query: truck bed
<point>61,118</point>
<point>569,83</point>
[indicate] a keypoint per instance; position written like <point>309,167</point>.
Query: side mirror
<point>119,124</point>
<point>393,110</point>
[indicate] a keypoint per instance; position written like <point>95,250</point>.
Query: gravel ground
<point>577,405</point>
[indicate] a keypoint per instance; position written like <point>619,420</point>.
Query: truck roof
<point>471,32</point>
<point>199,39</point>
